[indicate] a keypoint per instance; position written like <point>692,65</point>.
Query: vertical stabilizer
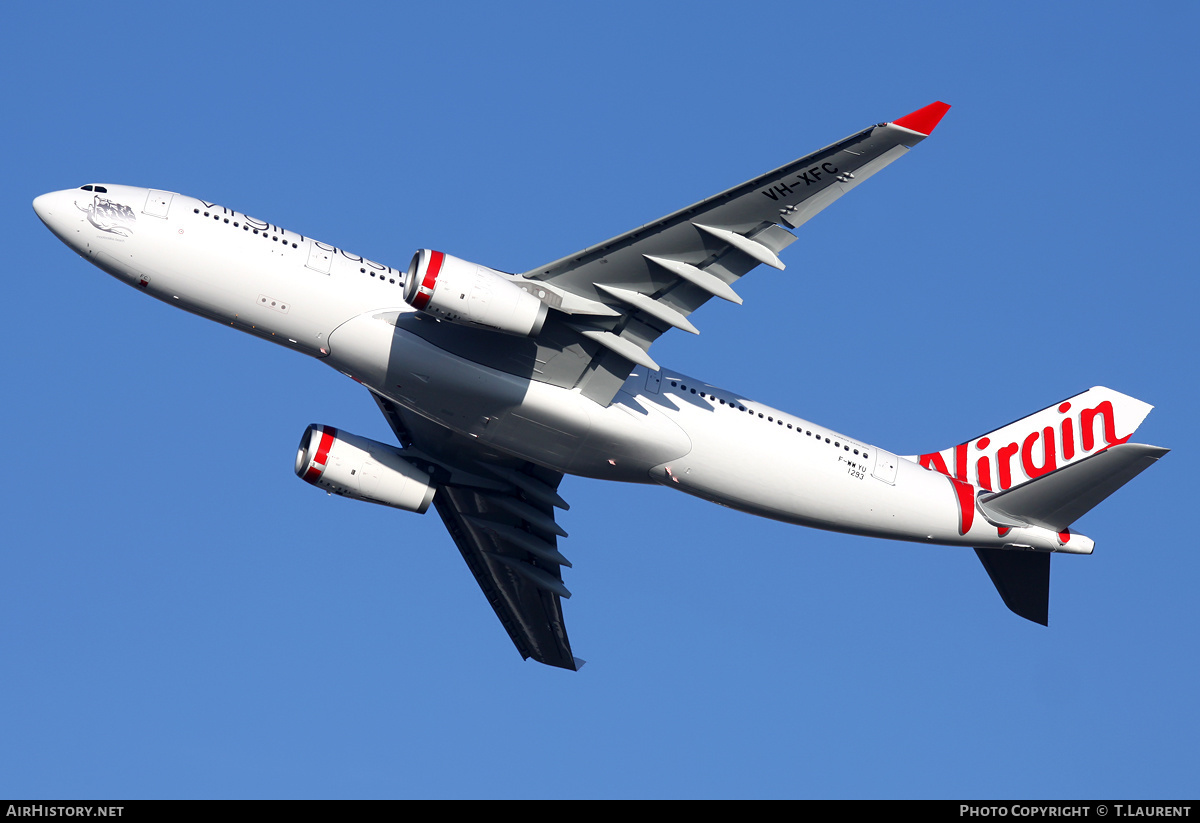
<point>1043,442</point>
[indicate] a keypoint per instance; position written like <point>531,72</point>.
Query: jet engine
<point>361,469</point>
<point>461,292</point>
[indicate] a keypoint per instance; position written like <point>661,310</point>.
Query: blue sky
<point>181,617</point>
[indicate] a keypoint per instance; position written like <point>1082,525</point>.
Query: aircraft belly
<point>548,425</point>
<point>756,460</point>
<point>627,439</point>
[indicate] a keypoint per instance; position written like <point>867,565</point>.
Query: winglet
<point>924,121</point>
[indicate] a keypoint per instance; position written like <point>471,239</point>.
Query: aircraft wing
<point>621,294</point>
<point>500,512</point>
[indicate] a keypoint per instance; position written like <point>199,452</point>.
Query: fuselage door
<point>158,203</point>
<point>319,257</point>
<point>653,381</point>
<point>886,466</point>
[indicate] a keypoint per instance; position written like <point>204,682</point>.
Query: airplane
<point>497,384</point>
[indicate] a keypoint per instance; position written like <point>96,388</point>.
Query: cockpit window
<point>86,188</point>
<point>90,187</point>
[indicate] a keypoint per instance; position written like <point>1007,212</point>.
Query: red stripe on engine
<point>430,280</point>
<point>317,467</point>
<point>327,436</point>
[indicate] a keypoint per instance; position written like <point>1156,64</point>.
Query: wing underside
<point>500,513</point>
<point>525,594</point>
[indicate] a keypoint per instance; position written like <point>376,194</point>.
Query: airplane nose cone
<point>57,211</point>
<point>52,209</point>
<point>43,207</point>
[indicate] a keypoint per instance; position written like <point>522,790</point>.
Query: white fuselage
<point>662,426</point>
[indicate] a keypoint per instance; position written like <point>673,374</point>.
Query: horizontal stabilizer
<point>1056,500</point>
<point>1023,580</point>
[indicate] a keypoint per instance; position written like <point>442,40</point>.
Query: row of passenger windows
<point>382,277</point>
<point>245,227</point>
<point>275,238</point>
<point>731,404</point>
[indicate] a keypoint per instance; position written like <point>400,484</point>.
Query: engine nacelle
<point>361,469</point>
<point>462,292</point>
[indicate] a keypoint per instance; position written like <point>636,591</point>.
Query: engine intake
<point>361,469</point>
<point>470,294</point>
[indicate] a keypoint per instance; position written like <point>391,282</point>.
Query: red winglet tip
<point>924,121</point>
